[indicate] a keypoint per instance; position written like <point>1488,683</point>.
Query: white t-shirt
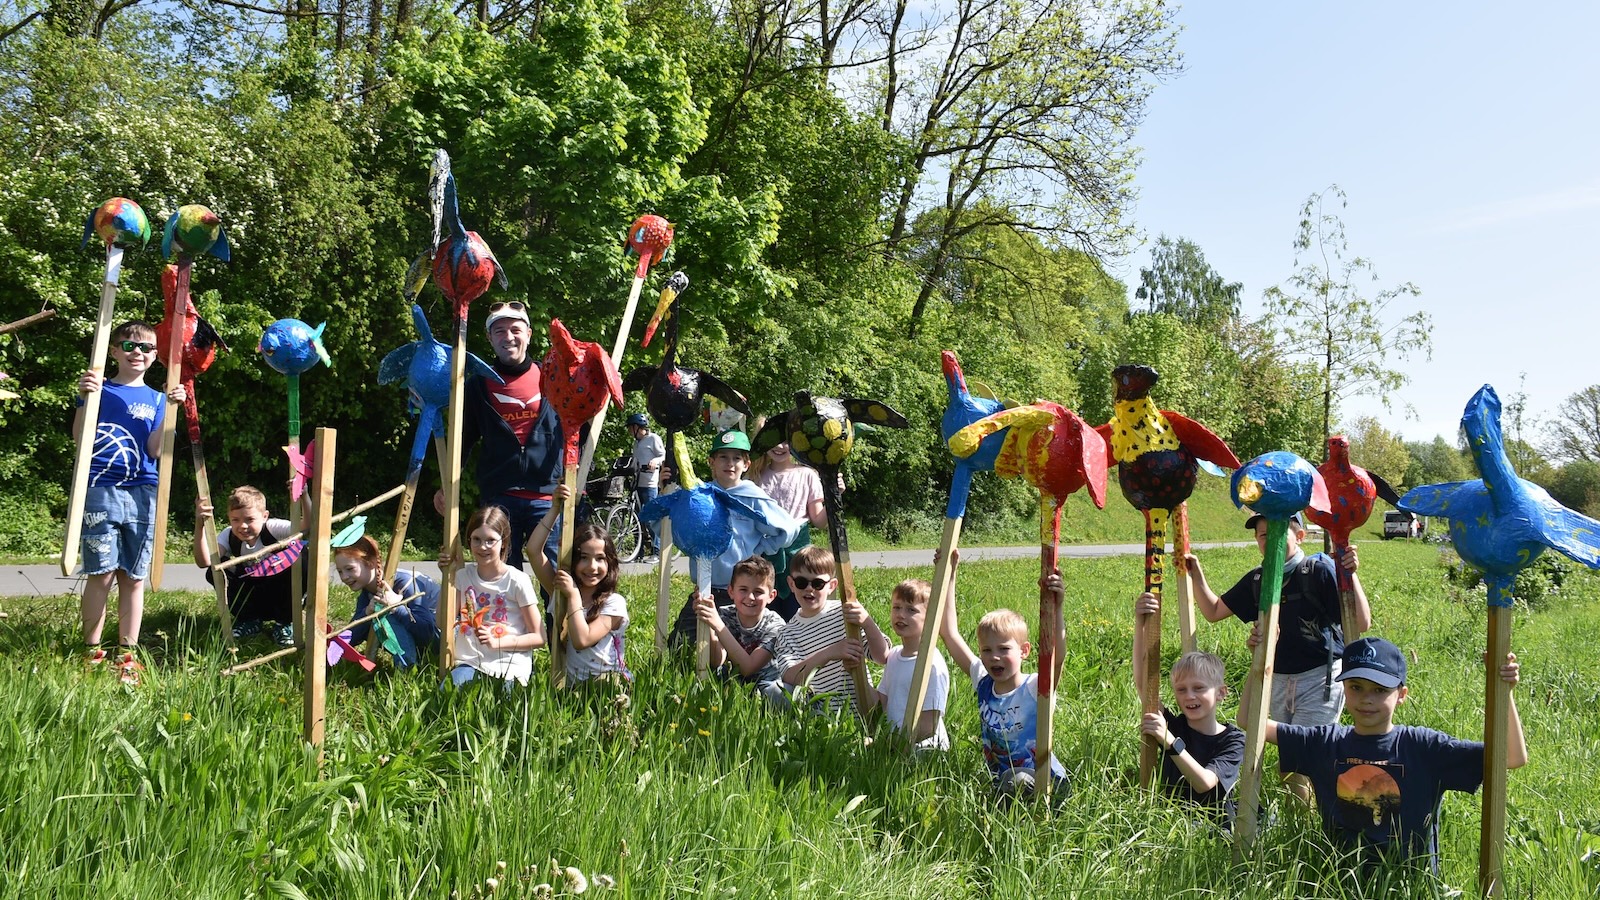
<point>606,655</point>
<point>647,450</point>
<point>501,604</point>
<point>896,689</point>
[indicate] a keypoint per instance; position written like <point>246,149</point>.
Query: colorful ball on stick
<point>649,236</point>
<point>1278,485</point>
<point>196,230</point>
<point>291,347</point>
<point>118,221</point>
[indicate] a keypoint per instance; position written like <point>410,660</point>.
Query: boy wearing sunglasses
<point>813,652</point>
<point>120,507</point>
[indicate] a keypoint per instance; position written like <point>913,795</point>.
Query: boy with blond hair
<point>813,654</point>
<point>1008,699</point>
<point>908,610</point>
<point>119,511</point>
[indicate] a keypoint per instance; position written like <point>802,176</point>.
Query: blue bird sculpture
<point>292,347</point>
<point>1278,485</point>
<point>425,365</point>
<point>962,410</point>
<point>1501,523</point>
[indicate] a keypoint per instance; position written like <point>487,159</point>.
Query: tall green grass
<point>195,785</point>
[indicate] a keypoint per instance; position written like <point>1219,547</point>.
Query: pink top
<point>793,488</point>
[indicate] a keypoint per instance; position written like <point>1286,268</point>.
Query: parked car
<point>1399,523</point>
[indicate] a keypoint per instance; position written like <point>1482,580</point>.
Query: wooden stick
<point>586,458</point>
<point>316,638</point>
<point>208,536</point>
<point>1180,552</point>
<point>450,473</point>
<point>1259,688</point>
<point>664,587</point>
<point>91,412</point>
<point>287,651</point>
<point>24,322</point>
<point>297,518</point>
<point>840,539</point>
<point>1347,588</point>
<point>1155,546</point>
<point>1496,736</point>
<point>557,642</point>
<point>932,620</point>
<point>701,568</point>
<point>1052,637</point>
<point>361,507</point>
<point>169,424</point>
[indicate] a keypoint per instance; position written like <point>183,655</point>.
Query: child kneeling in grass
<point>1378,784</point>
<point>746,631</point>
<point>1008,700</point>
<point>1203,755</point>
<point>497,626</point>
<point>584,603</point>
<point>813,652</point>
<point>908,610</point>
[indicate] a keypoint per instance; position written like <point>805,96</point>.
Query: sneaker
<point>283,635</point>
<point>242,630</point>
<point>649,559</point>
<point>96,656</point>
<point>128,669</point>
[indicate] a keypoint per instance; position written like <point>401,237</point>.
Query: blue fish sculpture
<point>292,347</point>
<point>425,365</point>
<point>1278,485</point>
<point>1501,523</point>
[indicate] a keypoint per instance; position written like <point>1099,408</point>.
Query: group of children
<point>1376,784</point>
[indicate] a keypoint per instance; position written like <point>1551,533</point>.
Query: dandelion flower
<point>604,881</point>
<point>576,883</point>
<point>543,891</point>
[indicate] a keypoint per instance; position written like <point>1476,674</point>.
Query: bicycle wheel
<point>622,523</point>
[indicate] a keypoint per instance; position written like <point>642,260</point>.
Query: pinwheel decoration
<point>1352,493</point>
<point>1058,453</point>
<point>119,223</point>
<point>1277,485</point>
<point>1500,523</point>
<point>291,347</point>
<point>1158,453</point>
<point>822,432</point>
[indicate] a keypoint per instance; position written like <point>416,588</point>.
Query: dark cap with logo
<point>1295,520</point>
<point>1376,660</point>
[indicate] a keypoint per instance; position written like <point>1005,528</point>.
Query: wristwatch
<point>1177,747</point>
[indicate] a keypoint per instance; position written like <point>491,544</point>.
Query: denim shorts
<point>118,526</point>
<point>1299,699</point>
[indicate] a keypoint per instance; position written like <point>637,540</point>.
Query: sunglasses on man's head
<point>128,346</point>
<point>816,584</point>
<point>515,305</point>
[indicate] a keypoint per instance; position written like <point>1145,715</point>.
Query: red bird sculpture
<point>1352,493</point>
<point>200,345</point>
<point>649,236</point>
<point>578,378</point>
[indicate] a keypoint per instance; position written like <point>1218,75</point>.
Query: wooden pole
<point>169,424</point>
<point>840,539</point>
<point>208,535</point>
<point>270,549</point>
<point>664,587</point>
<point>932,621</point>
<point>1052,637</point>
<point>558,641</point>
<point>1180,553</point>
<point>1496,735</point>
<point>321,548</point>
<point>1347,588</point>
<point>91,412</point>
<point>450,471</point>
<point>288,651</point>
<point>586,458</point>
<point>1258,698</point>
<point>297,516</point>
<point>1155,546</point>
<point>702,632</point>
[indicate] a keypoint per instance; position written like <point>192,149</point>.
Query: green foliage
<point>1577,485</point>
<point>1181,282</point>
<point>1376,449</point>
<point>1575,432</point>
<point>1436,462</point>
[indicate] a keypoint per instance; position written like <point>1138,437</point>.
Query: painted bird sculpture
<point>649,236</point>
<point>1352,494</point>
<point>674,394</point>
<point>200,345</point>
<point>196,231</point>
<point>1501,523</point>
<point>463,264</point>
<point>291,347</point>
<point>578,378</point>
<point>118,221</point>
<point>424,364</point>
<point>962,408</point>
<point>701,513</point>
<point>1278,485</point>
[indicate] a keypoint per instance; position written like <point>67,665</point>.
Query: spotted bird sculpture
<point>1158,453</point>
<point>1500,523</point>
<point>1352,494</point>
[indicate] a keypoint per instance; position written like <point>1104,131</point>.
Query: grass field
<point>195,785</point>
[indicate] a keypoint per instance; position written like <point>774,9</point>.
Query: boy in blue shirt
<point>1379,784</point>
<point>120,508</point>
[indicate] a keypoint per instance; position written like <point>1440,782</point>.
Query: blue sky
<point>1465,135</point>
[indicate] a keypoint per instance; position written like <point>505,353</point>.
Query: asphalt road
<point>47,580</point>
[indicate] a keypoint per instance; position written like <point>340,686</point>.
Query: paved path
<point>33,581</point>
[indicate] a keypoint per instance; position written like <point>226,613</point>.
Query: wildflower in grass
<point>673,725</point>
<point>542,891</point>
<point>576,883</point>
<point>705,733</point>
<point>605,882</point>
<point>188,717</point>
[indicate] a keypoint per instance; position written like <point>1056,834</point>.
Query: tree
<point>1575,433</point>
<point>1181,282</point>
<point>1577,485</point>
<point>1378,450</point>
<point>1327,319</point>
<point>1435,462</point>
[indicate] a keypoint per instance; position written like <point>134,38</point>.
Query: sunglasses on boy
<point>816,584</point>
<point>129,346</point>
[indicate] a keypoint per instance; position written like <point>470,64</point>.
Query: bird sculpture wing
<point>716,387</point>
<point>775,432</point>
<point>873,412</point>
<point>1022,420</point>
<point>1201,441</point>
<point>639,379</point>
<point>1386,491</point>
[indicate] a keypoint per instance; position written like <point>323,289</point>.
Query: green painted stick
<point>1259,690</point>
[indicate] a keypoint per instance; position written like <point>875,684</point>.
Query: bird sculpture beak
<point>668,296</point>
<point>1249,490</point>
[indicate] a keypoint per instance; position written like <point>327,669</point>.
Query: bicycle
<point>613,503</point>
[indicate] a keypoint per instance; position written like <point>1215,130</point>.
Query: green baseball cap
<point>732,439</point>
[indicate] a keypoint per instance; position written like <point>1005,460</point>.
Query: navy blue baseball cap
<point>1376,660</point>
<point>1295,520</point>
